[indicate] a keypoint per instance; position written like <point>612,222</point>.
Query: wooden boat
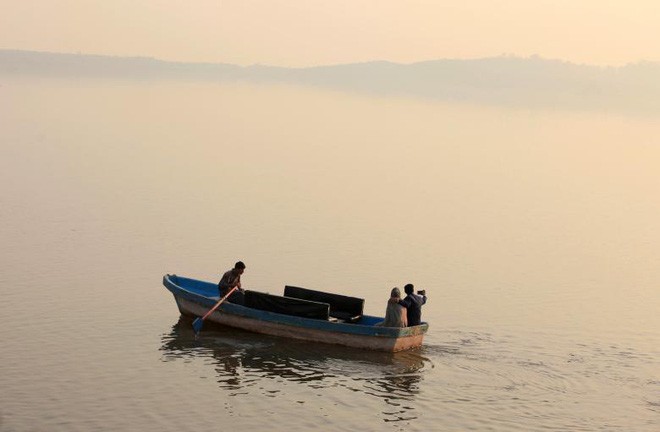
<point>300,313</point>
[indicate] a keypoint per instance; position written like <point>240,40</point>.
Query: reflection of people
<point>395,314</point>
<point>413,303</point>
<point>231,279</point>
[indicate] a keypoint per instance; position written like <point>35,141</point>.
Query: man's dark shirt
<point>229,280</point>
<point>413,303</point>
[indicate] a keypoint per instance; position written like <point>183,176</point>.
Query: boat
<point>300,313</point>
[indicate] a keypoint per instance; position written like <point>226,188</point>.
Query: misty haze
<point>501,81</point>
<point>520,193</point>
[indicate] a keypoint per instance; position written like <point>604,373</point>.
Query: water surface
<point>534,233</point>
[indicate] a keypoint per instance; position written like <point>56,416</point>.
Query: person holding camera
<point>413,304</point>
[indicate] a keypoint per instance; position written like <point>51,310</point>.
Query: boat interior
<point>296,301</point>
<point>308,303</point>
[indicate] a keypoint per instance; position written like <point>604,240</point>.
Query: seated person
<point>413,304</point>
<point>395,314</point>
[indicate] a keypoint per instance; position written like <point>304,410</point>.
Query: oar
<point>199,322</point>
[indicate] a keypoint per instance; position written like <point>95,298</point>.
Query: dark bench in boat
<point>348,309</point>
<point>287,305</point>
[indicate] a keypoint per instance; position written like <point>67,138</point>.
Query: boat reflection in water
<point>247,363</point>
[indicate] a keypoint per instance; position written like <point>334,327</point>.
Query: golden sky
<point>316,32</point>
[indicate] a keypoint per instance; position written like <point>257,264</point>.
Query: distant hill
<point>30,63</point>
<point>510,81</point>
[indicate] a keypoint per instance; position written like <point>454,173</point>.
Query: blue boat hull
<point>195,298</point>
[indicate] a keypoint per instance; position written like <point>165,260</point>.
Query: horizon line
<point>501,56</point>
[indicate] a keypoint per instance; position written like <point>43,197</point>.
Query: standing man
<point>413,303</point>
<point>231,279</point>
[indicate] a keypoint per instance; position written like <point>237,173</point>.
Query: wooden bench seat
<point>343,308</point>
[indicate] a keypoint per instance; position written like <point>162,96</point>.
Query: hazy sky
<point>313,32</point>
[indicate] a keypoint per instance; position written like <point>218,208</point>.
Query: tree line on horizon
<point>505,80</point>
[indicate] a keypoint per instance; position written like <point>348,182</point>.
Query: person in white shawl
<point>395,314</point>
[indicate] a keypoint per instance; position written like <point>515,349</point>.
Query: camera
<point>421,292</point>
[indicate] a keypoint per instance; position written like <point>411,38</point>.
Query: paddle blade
<point>198,324</point>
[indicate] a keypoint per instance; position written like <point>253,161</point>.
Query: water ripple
<point>245,363</point>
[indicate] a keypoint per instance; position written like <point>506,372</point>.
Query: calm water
<point>535,234</point>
